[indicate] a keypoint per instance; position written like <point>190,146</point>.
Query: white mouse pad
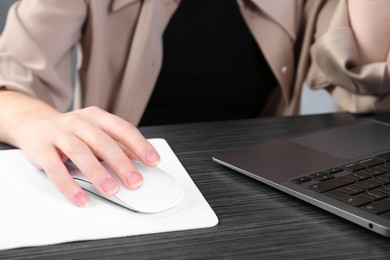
<point>34,213</point>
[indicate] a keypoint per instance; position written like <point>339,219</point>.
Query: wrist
<point>17,113</point>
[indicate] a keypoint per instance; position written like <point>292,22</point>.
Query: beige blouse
<point>121,46</point>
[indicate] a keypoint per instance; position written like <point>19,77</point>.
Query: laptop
<point>344,170</point>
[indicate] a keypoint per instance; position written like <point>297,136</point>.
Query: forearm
<point>15,108</point>
<point>370,21</point>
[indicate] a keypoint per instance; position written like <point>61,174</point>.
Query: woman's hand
<point>49,138</point>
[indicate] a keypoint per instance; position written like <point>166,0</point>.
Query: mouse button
<point>157,193</point>
<point>160,183</point>
<point>157,179</point>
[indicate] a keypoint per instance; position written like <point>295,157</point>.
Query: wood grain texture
<point>256,221</point>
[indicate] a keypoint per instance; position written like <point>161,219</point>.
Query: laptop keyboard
<point>364,183</point>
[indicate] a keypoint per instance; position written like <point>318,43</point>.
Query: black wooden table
<point>256,221</point>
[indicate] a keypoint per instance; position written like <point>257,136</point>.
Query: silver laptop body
<point>344,170</point>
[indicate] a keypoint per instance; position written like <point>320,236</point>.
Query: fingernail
<point>152,157</point>
<point>81,199</point>
<point>110,186</point>
<point>134,180</point>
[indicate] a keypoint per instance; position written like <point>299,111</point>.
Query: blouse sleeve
<point>336,66</point>
<point>36,49</point>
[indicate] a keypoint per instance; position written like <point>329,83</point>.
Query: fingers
<point>59,175</point>
<point>128,152</point>
<point>83,136</point>
<point>128,135</point>
<point>106,148</point>
<point>82,156</point>
<point>87,140</point>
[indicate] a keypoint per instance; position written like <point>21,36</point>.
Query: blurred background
<point>4,5</point>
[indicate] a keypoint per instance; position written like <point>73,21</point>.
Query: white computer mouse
<point>158,192</point>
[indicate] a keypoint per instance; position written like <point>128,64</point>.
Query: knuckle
<point>101,141</point>
<point>96,175</point>
<point>49,166</point>
<point>72,119</point>
<point>61,180</point>
<point>123,167</point>
<point>64,184</point>
<point>72,146</point>
<point>92,109</point>
<point>124,127</point>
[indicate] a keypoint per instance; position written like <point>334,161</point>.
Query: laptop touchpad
<point>349,142</point>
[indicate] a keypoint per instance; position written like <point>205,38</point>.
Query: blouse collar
<point>286,13</point>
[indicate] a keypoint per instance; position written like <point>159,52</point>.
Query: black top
<point>212,67</point>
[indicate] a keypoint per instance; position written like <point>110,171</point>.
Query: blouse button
<point>284,69</point>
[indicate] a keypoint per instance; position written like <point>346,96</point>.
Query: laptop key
<point>356,201</point>
<point>378,207</point>
<point>384,179</point>
<point>374,171</point>
<point>334,170</point>
<point>353,167</point>
<point>331,184</point>
<point>325,177</point>
<point>384,156</point>
<point>368,184</point>
<point>385,189</point>
<point>360,175</point>
<point>374,195</point>
<point>352,189</point>
<point>318,174</point>
<point>301,179</point>
<point>386,166</point>
<point>369,162</point>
